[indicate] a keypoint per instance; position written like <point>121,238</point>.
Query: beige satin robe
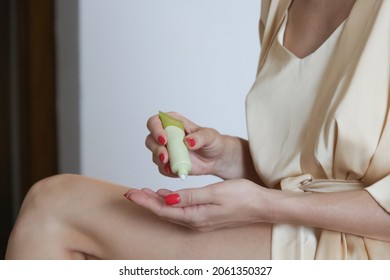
<point>335,128</point>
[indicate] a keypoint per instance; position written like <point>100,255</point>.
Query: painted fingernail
<point>172,199</point>
<point>127,195</point>
<point>168,169</point>
<point>191,141</point>
<point>162,157</point>
<point>161,140</point>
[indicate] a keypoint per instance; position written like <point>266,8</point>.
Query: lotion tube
<point>179,157</point>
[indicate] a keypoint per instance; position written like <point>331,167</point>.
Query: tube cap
<point>182,173</point>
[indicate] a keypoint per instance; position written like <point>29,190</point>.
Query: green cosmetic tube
<point>179,157</point>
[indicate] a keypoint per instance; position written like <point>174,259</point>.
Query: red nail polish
<point>162,157</point>
<point>161,140</point>
<point>168,169</point>
<point>191,141</point>
<point>127,196</point>
<point>172,199</point>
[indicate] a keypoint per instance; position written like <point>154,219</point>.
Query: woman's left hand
<point>223,204</point>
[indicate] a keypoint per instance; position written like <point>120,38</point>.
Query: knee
<point>42,215</point>
<point>42,204</point>
<point>46,194</point>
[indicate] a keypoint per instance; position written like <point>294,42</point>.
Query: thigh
<point>103,223</point>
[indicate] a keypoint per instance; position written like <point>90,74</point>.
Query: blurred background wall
<point>80,78</point>
<point>121,61</point>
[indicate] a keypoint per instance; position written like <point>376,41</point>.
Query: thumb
<point>190,197</point>
<point>203,137</point>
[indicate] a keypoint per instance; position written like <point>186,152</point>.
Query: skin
<point>311,22</point>
<point>74,217</point>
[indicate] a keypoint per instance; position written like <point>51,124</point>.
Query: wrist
<point>270,205</point>
<point>236,161</point>
<point>286,206</point>
<point>226,166</point>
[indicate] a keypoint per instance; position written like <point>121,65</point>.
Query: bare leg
<point>74,217</point>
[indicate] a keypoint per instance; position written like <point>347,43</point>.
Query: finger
<point>151,193</point>
<point>166,170</point>
<point>192,197</point>
<point>156,205</point>
<point>160,155</point>
<point>189,126</point>
<point>159,151</point>
<point>191,217</point>
<point>201,138</point>
<point>164,192</point>
<point>156,129</point>
<point>145,198</point>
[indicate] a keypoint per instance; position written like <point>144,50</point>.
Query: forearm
<point>237,162</point>
<point>354,212</point>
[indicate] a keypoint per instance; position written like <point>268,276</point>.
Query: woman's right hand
<point>207,147</point>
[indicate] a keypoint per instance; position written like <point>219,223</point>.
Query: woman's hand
<point>223,204</point>
<point>208,148</point>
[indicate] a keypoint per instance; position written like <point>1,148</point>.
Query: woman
<point>312,182</point>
